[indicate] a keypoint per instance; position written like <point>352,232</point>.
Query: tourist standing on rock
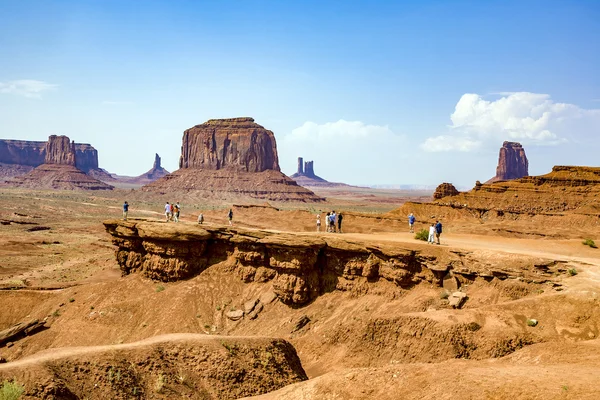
<point>411,223</point>
<point>177,209</point>
<point>431,238</point>
<point>125,211</point>
<point>438,230</point>
<point>230,216</point>
<point>327,222</point>
<point>332,219</point>
<point>318,222</point>
<point>168,211</point>
<point>172,212</point>
<point>200,218</point>
<point>339,219</point>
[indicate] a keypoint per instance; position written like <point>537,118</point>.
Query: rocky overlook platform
<point>303,266</point>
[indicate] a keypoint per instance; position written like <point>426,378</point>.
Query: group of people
<point>331,220</point>
<point>435,230</point>
<point>172,211</point>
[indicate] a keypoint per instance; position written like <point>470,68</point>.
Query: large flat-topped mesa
<point>236,143</point>
<point>59,170</point>
<point>228,159</point>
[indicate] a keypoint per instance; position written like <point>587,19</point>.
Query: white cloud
<point>344,150</point>
<point>26,87</point>
<point>530,118</point>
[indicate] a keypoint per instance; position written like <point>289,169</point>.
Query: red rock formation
<point>443,190</point>
<point>512,163</point>
<point>227,159</point>
<point>22,152</point>
<point>58,170</point>
<point>305,176</point>
<point>60,150</point>
<point>86,157</point>
<point>155,173</point>
<point>237,143</point>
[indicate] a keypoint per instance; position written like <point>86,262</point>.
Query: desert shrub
<point>423,234</point>
<point>160,288</point>
<point>444,294</point>
<point>572,271</point>
<point>11,390</point>
<point>532,322</point>
<point>590,242</point>
<point>473,326</point>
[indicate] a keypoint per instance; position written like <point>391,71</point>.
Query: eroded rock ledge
<point>300,266</point>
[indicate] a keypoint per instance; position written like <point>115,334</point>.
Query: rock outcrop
<point>228,159</point>
<point>305,176</point>
<point>18,157</point>
<point>512,163</point>
<point>232,143</point>
<point>153,174</point>
<point>443,190</point>
<point>59,170</point>
<point>300,266</point>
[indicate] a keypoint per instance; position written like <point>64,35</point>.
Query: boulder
<point>444,190</point>
<point>235,315</point>
<point>249,306</point>
<point>457,299</point>
<point>267,298</point>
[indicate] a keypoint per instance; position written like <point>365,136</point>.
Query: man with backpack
<point>438,230</point>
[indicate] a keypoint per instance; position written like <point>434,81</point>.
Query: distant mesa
<point>18,157</point>
<point>233,157</point>
<point>512,163</point>
<point>305,176</point>
<point>59,170</point>
<point>444,190</point>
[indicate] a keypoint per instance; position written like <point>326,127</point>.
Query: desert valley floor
<point>276,310</point>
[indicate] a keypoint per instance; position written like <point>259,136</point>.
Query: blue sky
<point>380,92</point>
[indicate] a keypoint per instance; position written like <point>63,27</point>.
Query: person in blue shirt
<point>125,210</point>
<point>411,223</point>
<point>438,231</point>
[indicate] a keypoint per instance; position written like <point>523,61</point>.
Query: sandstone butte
<point>230,158</point>
<point>443,190</point>
<point>305,176</point>
<point>512,163</point>
<point>59,170</point>
<point>17,157</point>
<point>568,195</point>
<point>156,172</point>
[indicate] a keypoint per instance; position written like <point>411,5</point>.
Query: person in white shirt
<point>168,211</point>
<point>431,238</point>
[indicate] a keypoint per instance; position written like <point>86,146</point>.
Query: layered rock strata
<point>18,155</point>
<point>444,190</point>
<point>512,162</point>
<point>230,158</point>
<point>300,267</point>
<point>59,170</point>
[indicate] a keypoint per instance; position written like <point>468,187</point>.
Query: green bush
<point>160,288</point>
<point>423,234</point>
<point>11,390</point>
<point>572,271</point>
<point>590,242</point>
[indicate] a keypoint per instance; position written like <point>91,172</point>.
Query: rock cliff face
<point>17,155</point>
<point>60,150</point>
<point>228,159</point>
<point>235,143</point>
<point>445,189</point>
<point>59,170</point>
<point>512,162</point>
<point>300,267</point>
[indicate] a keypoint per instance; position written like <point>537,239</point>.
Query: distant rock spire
<point>156,161</point>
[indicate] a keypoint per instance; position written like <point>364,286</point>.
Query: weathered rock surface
<point>237,143</point>
<point>300,267</point>
<point>230,158</point>
<point>18,157</point>
<point>512,162</point>
<point>444,190</point>
<point>191,365</point>
<point>59,170</point>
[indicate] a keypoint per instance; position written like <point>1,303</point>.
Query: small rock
<point>255,312</point>
<point>267,298</point>
<point>457,299</point>
<point>235,315</point>
<point>450,283</point>
<point>532,322</point>
<point>10,344</point>
<point>301,323</point>
<point>249,306</point>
